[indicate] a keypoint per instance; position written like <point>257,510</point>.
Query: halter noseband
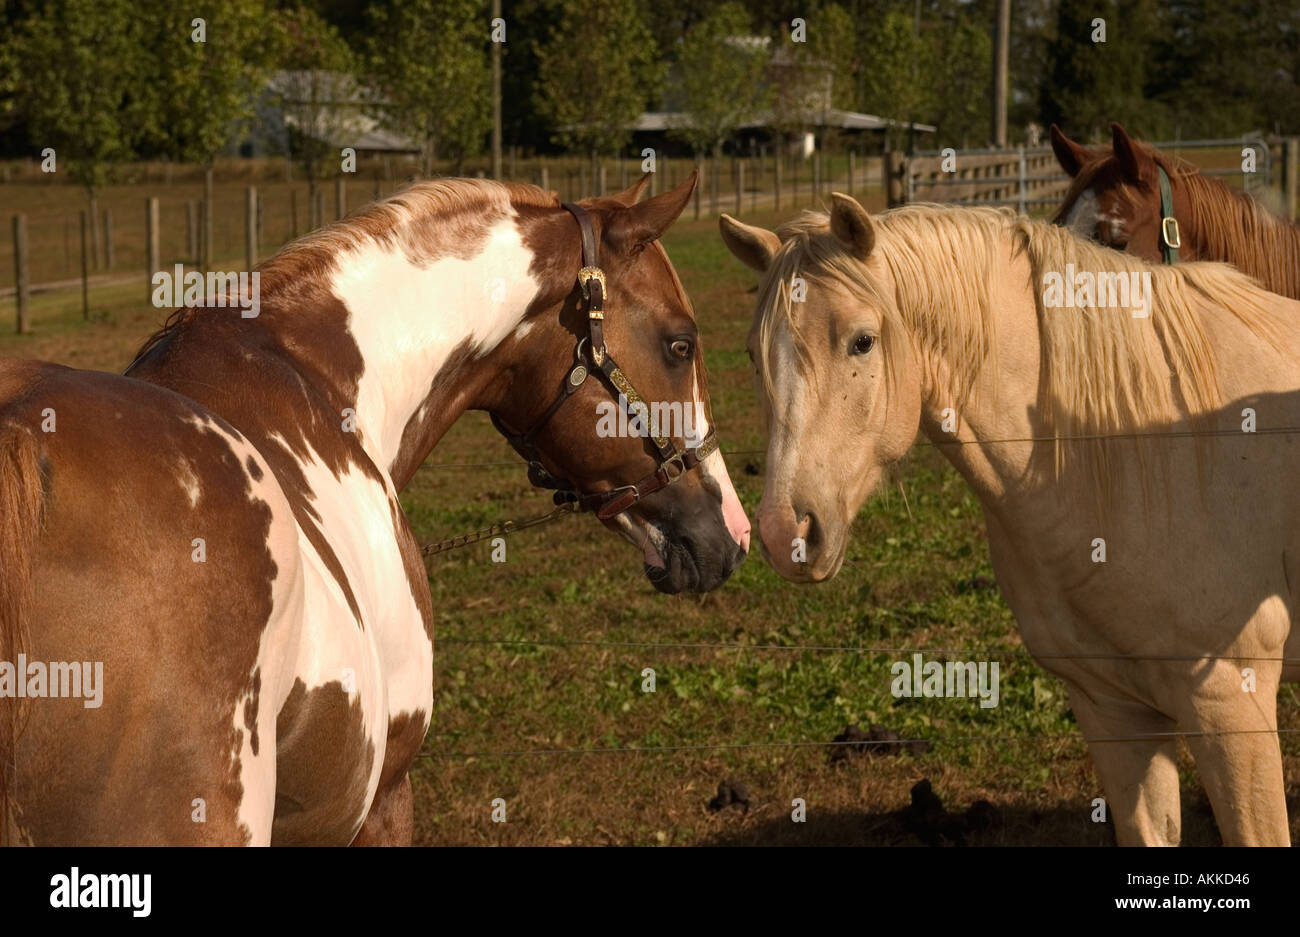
<point>673,462</point>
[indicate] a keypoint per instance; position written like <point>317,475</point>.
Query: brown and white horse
<point>1155,572</point>
<point>1115,200</point>
<point>220,529</point>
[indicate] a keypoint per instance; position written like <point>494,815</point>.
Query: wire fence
<point>1081,438</point>
<point>868,744</point>
<point>876,745</point>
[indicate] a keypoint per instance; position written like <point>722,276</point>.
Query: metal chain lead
<point>507,527</point>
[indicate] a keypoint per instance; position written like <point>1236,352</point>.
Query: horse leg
<point>391,818</point>
<point>1238,756</point>
<point>1140,777</point>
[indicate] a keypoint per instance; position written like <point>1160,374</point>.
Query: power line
<point>1096,437</point>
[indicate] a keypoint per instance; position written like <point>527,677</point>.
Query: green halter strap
<point>1170,237</point>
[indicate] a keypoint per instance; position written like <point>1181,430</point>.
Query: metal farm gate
<point>1030,178</point>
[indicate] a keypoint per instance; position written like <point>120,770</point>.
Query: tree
<point>429,65</point>
<point>1091,83</point>
<point>317,91</point>
<point>79,68</point>
<point>965,76</point>
<point>720,70</point>
<point>815,74</point>
<point>208,75</point>
<point>898,80</point>
<point>597,71</point>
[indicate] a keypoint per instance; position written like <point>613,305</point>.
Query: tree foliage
<point>429,62</point>
<point>720,76</point>
<point>597,71</point>
<point>81,74</point>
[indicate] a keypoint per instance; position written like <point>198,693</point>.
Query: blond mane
<point>1105,372</point>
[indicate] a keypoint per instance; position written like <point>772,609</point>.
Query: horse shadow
<point>1067,823</point>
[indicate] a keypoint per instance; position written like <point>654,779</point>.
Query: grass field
<point>539,660</point>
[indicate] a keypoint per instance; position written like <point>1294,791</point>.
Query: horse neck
<point>423,331</point>
<point>1232,227</point>
<point>372,348</point>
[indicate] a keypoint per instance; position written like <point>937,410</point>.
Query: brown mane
<point>1233,226</point>
<point>426,220</point>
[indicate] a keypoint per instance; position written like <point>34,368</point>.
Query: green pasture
<point>539,660</point>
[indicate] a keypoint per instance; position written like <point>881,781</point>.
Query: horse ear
<point>1069,154</point>
<point>632,194</point>
<point>1129,157</point>
<point>754,247</point>
<point>638,225</point>
<point>849,223</point>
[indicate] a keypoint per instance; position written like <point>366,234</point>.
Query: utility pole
<point>1001,57</point>
<point>496,96</point>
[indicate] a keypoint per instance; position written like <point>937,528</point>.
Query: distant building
<point>804,96</point>
<point>328,106</point>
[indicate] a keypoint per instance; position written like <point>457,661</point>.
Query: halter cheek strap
<point>673,462</point>
<point>1170,237</point>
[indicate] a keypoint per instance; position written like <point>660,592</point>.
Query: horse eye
<point>862,344</point>
<point>681,348</point>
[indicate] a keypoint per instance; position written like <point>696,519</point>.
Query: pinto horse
<point>1079,428</point>
<point>1115,199</point>
<point>220,528</point>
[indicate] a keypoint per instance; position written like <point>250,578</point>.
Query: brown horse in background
<point>1115,200</point>
<point>218,531</point>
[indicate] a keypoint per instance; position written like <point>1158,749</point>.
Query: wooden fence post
<point>293,214</point>
<point>85,268</point>
<point>699,183</point>
<point>94,229</point>
<point>1291,180</point>
<point>776,176</point>
<point>340,197</point>
<point>740,187</point>
<point>152,241</point>
<point>208,224</point>
<point>894,166</point>
<point>191,231</point>
<point>853,165</point>
<point>108,238</point>
<point>250,228</point>
<point>22,284</point>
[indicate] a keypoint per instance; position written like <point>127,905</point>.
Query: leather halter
<point>1170,237</point>
<point>673,462</point>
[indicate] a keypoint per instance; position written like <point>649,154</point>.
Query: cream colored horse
<point>1155,571</point>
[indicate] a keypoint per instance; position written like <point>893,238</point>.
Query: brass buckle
<point>1169,231</point>
<point>585,276</point>
<point>678,461</point>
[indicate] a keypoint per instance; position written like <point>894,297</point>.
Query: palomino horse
<point>1116,199</point>
<point>221,528</point>
<point>1155,571</point>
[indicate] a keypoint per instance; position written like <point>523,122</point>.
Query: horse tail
<point>21,499</point>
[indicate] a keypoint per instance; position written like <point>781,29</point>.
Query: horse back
<point>165,593</point>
